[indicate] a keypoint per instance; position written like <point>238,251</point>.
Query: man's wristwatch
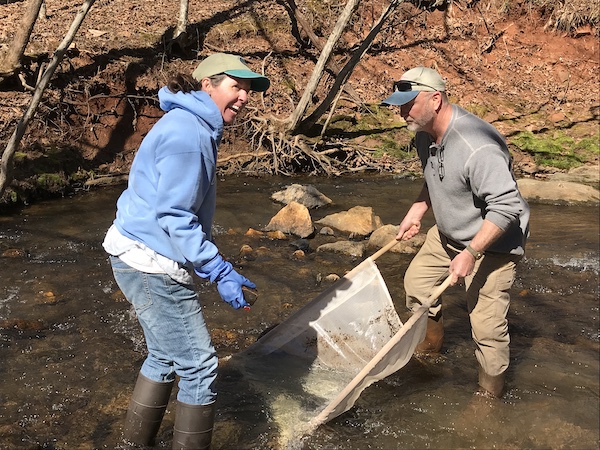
<point>477,255</point>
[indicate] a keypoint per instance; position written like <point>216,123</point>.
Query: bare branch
<point>13,143</point>
<point>322,62</point>
<point>10,62</point>
<point>350,65</point>
<point>182,19</point>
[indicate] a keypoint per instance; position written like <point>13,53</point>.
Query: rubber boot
<point>434,337</point>
<point>493,386</point>
<point>146,410</point>
<point>193,426</point>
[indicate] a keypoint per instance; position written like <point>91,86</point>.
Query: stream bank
<point>505,61</point>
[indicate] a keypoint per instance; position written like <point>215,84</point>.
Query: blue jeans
<point>176,335</point>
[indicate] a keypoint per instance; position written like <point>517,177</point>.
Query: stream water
<point>70,349</point>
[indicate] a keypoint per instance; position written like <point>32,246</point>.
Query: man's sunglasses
<point>406,85</point>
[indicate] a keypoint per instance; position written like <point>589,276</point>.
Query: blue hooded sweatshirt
<point>169,203</point>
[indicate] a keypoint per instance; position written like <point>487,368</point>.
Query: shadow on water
<point>71,349</point>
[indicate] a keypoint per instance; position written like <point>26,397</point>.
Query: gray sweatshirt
<point>469,177</point>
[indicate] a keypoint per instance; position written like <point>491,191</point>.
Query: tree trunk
<point>318,43</point>
<point>10,62</point>
<point>321,63</point>
<point>349,67</point>
<point>182,21</point>
<point>15,139</point>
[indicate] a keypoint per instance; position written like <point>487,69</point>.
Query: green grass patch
<point>393,147</point>
<point>52,182</point>
<point>371,118</point>
<point>557,149</point>
<point>19,157</point>
<point>377,124</point>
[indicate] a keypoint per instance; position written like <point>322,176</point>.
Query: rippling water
<point>71,349</point>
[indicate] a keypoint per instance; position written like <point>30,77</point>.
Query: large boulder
<point>357,221</point>
<point>588,174</point>
<point>557,191</point>
<point>292,219</point>
<point>308,196</point>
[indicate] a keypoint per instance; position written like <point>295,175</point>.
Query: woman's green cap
<point>232,65</point>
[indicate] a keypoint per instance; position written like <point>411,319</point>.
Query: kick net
<point>313,366</point>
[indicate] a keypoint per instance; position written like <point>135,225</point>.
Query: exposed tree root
<point>280,153</point>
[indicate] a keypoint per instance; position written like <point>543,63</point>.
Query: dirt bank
<point>506,66</point>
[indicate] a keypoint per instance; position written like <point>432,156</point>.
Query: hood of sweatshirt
<point>198,103</point>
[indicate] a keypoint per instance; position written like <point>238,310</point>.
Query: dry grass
<point>570,15</point>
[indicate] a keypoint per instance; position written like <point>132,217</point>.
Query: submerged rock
<point>301,244</point>
<point>307,195</point>
<point>356,249</point>
<point>327,231</point>
<point>254,233</point>
<point>386,233</point>
<point>277,235</point>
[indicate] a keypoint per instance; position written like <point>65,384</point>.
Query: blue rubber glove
<point>229,282</point>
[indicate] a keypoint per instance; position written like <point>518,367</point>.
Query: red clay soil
<point>505,66</point>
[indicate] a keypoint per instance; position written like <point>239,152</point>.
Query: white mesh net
<point>313,367</point>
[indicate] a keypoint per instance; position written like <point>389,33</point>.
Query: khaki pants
<point>487,295</point>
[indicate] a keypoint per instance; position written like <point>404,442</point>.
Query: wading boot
<point>434,337</point>
<point>146,410</point>
<point>491,386</point>
<point>193,426</point>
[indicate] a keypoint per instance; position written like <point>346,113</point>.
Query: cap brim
<point>400,98</point>
<point>258,83</point>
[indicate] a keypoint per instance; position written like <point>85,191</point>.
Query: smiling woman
<point>230,94</point>
<point>162,235</point>
<point>228,80</point>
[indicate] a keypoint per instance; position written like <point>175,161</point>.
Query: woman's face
<point>230,95</point>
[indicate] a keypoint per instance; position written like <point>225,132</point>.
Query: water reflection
<point>71,349</point>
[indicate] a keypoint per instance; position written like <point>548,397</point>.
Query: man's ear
<point>437,98</point>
